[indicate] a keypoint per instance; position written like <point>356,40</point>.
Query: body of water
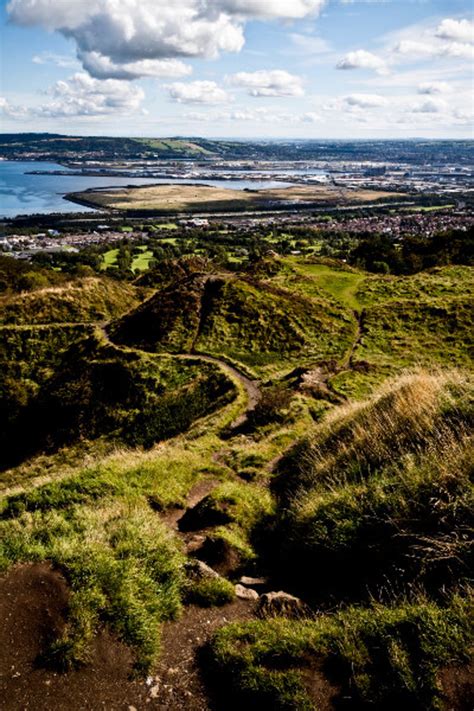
<point>24,194</point>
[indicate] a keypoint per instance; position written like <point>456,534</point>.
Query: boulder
<point>253,582</point>
<point>281,604</point>
<point>246,593</point>
<point>197,570</point>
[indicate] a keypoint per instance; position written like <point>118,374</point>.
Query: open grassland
<point>203,198</point>
<point>141,261</point>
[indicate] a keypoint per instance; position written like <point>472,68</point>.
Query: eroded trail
<point>252,387</point>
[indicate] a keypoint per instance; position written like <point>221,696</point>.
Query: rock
<point>253,582</point>
<point>197,570</point>
<point>281,604</point>
<point>246,593</point>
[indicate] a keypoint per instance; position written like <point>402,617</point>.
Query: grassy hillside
<point>372,498</point>
<point>301,426</point>
<point>245,320</point>
<point>131,396</point>
<point>375,506</point>
<point>80,301</point>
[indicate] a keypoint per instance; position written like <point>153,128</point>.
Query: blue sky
<point>243,68</point>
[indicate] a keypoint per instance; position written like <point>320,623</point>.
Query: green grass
<point>122,566</point>
<point>341,284</point>
<point>166,226</point>
<point>210,592</point>
<point>128,396</point>
<point>371,503</point>
<point>141,262</point>
<point>110,258</point>
<point>267,329</point>
<point>382,657</point>
<point>86,300</point>
<point>380,495</point>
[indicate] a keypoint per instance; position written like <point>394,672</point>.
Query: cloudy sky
<point>243,68</point>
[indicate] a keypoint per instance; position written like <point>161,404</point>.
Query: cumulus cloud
<point>111,33</point>
<point>365,101</point>
<point>450,39</point>
<point>361,59</point>
<point>276,82</point>
<point>434,87</point>
<point>430,106</point>
<point>428,48</point>
<point>81,95</point>
<point>10,111</point>
<point>198,92</point>
<point>457,30</point>
<point>296,9</point>
<point>101,67</point>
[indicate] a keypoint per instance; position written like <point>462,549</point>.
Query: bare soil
<point>33,609</point>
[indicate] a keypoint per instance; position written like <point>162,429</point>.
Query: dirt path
<point>178,681</point>
<point>360,318</point>
<point>251,387</point>
<point>33,609</point>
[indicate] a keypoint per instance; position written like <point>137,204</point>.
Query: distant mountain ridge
<point>49,146</point>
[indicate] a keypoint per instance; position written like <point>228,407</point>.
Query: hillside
<point>82,301</point>
<point>48,146</point>
<point>226,489</point>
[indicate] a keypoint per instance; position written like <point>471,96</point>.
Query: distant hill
<point>49,146</point>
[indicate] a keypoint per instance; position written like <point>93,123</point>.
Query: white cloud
<point>10,111</point>
<point>450,39</point>
<point>102,67</point>
<point>430,106</point>
<point>198,92</point>
<point>60,60</point>
<point>266,9</point>
<point>82,95</point>
<point>258,116</point>
<point>361,59</point>
<point>457,30</point>
<point>433,48</point>
<point>434,87</point>
<point>365,101</point>
<point>311,117</point>
<point>276,82</point>
<point>111,33</point>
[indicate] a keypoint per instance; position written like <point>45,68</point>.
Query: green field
<point>142,261</point>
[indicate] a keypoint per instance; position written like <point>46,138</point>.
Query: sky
<point>238,68</point>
